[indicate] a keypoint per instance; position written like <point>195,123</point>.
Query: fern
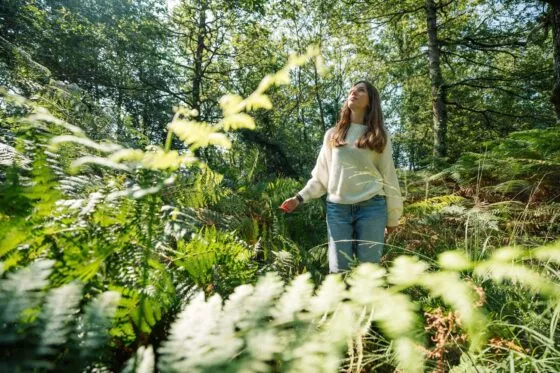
<point>434,204</point>
<point>47,330</point>
<point>141,362</point>
<point>283,329</point>
<point>58,316</point>
<point>297,328</point>
<point>215,259</point>
<point>94,326</point>
<point>512,166</point>
<point>21,291</point>
<point>511,186</point>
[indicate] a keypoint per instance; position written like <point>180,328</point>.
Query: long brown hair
<point>375,137</point>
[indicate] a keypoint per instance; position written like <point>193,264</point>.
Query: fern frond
<point>434,204</point>
<point>266,292</point>
<point>330,294</point>
<point>510,186</point>
<point>549,252</point>
<point>141,362</point>
<point>500,271</point>
<point>58,316</point>
<point>21,290</point>
<point>294,300</point>
<point>198,338</point>
<point>95,325</point>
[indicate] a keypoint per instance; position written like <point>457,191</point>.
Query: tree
<point>437,83</point>
<point>552,19</point>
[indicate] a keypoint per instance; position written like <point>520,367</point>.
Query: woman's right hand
<point>290,204</point>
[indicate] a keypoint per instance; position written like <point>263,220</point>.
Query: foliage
<point>525,164</point>
<point>119,253</point>
<point>268,325</point>
<point>104,231</point>
<point>51,330</point>
<point>214,259</point>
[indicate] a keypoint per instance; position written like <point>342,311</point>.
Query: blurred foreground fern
<point>50,330</point>
<point>295,328</point>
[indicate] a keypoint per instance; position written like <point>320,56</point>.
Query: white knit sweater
<point>351,175</point>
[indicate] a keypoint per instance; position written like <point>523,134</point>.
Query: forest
<point>146,147</point>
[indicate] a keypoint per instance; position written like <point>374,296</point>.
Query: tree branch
<point>485,112</point>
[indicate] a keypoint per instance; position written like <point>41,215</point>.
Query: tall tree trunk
<point>438,88</point>
<point>554,8</point>
<point>318,98</point>
<point>120,126</point>
<point>197,79</point>
<point>300,107</point>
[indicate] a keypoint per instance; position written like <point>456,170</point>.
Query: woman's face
<point>358,98</point>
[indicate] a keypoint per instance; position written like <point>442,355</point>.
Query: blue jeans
<point>365,221</point>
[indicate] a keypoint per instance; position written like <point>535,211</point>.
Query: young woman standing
<point>355,168</point>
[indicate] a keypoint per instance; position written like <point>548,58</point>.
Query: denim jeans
<point>356,229</point>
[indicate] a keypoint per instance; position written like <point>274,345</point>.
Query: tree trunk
<point>318,98</point>
<point>300,108</point>
<point>438,89</point>
<point>197,79</point>
<point>555,21</point>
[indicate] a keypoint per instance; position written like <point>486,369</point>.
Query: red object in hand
<point>289,205</point>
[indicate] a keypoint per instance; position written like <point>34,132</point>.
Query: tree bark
<point>554,9</point>
<point>438,88</point>
<point>197,79</point>
<point>318,98</point>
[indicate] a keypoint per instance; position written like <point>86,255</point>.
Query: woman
<point>355,168</point>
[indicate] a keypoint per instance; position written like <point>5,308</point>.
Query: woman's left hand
<point>389,230</point>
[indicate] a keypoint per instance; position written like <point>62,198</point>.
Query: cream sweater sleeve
<point>390,185</point>
<point>316,187</point>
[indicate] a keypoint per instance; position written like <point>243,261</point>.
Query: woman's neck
<point>357,117</point>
